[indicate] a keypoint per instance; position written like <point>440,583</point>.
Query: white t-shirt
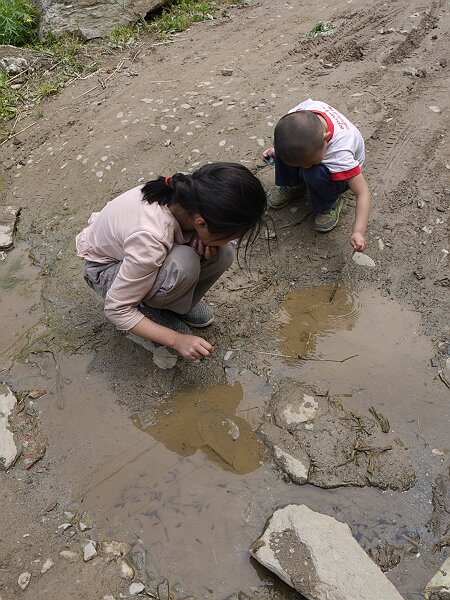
<point>345,152</point>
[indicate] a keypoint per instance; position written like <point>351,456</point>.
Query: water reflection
<point>205,420</point>
<point>306,315</point>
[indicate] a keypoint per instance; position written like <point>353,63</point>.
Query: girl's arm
<point>190,347</point>
<point>359,187</point>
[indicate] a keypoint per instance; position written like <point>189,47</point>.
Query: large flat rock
<point>90,18</point>
<point>438,588</point>
<point>319,557</point>
<point>8,449</point>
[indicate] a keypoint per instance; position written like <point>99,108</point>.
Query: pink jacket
<point>139,234</point>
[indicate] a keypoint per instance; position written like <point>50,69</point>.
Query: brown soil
<point>189,513</point>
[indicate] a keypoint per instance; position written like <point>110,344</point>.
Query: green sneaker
<point>282,195</point>
<point>326,221</point>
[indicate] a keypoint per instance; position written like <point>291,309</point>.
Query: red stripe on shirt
<point>330,123</point>
<point>346,174</point>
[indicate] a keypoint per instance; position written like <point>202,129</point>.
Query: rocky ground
<point>215,93</point>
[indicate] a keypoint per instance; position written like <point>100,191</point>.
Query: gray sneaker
<point>166,318</point>
<point>282,195</point>
<point>199,316</point>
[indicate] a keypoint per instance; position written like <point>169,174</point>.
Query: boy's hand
<point>192,347</point>
<point>358,242</point>
<point>268,152</point>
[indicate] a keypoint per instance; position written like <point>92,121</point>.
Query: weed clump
<point>18,23</point>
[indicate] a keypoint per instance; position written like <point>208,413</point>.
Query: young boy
<point>319,151</point>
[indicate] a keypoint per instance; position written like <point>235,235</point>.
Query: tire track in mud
<point>415,37</point>
<point>350,27</point>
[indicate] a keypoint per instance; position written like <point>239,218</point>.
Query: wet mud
<point>171,462</point>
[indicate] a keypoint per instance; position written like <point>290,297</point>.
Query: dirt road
<point>114,460</point>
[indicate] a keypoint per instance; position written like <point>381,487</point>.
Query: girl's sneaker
<point>282,195</point>
<point>199,316</point>
<point>327,220</point>
<point>166,318</point>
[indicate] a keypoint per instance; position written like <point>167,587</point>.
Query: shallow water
<point>192,490</point>
<point>20,290</point>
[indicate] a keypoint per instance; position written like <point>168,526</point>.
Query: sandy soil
<point>158,109</point>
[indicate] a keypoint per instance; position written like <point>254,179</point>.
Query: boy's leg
<point>324,196</point>
<point>288,185</point>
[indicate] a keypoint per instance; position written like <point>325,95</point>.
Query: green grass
<point>122,36</point>
<point>181,15</point>
<point>18,23</point>
<point>321,28</point>
<point>9,99</point>
<point>48,88</point>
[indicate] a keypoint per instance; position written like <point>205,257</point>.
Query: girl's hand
<point>191,347</point>
<point>207,252</point>
<point>268,152</point>
<point>358,242</point>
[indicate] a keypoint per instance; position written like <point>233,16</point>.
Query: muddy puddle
<point>20,290</point>
<point>191,490</point>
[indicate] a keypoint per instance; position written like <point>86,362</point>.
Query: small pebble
<point>24,580</point>
<point>136,588</point>
<point>47,566</point>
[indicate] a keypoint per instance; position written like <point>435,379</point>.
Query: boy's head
<point>301,139</point>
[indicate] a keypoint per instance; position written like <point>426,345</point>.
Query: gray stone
<point>8,449</point>
<point>69,555</point>
<point>24,580</point>
<point>136,588</point>
<point>12,65</point>
<point>288,455</point>
<point>47,566</point>
<point>319,557</point>
<point>89,551</point>
<point>162,356</point>
<point>8,220</point>
<point>439,585</point>
<point>363,260</point>
<point>90,18</point>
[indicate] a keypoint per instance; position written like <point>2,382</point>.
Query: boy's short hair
<point>298,135</point>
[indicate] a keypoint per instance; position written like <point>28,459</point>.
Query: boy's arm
<point>359,187</point>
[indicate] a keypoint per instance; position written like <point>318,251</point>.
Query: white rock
<point>363,260</point>
<point>319,557</point>
<point>305,411</point>
<point>89,551</point>
<point>222,143</point>
<point>228,355</point>
<point>435,109</point>
<point>162,357</point>
<point>69,555</point>
<point>440,582</point>
<point>8,219</point>
<point>47,565</point>
<point>24,580</point>
<point>8,449</point>
<point>136,588</point>
<point>126,571</point>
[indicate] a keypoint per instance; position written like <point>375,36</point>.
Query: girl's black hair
<point>227,196</point>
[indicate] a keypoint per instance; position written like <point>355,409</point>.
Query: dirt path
<point>187,514</point>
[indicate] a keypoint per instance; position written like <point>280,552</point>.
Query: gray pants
<point>183,279</point>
